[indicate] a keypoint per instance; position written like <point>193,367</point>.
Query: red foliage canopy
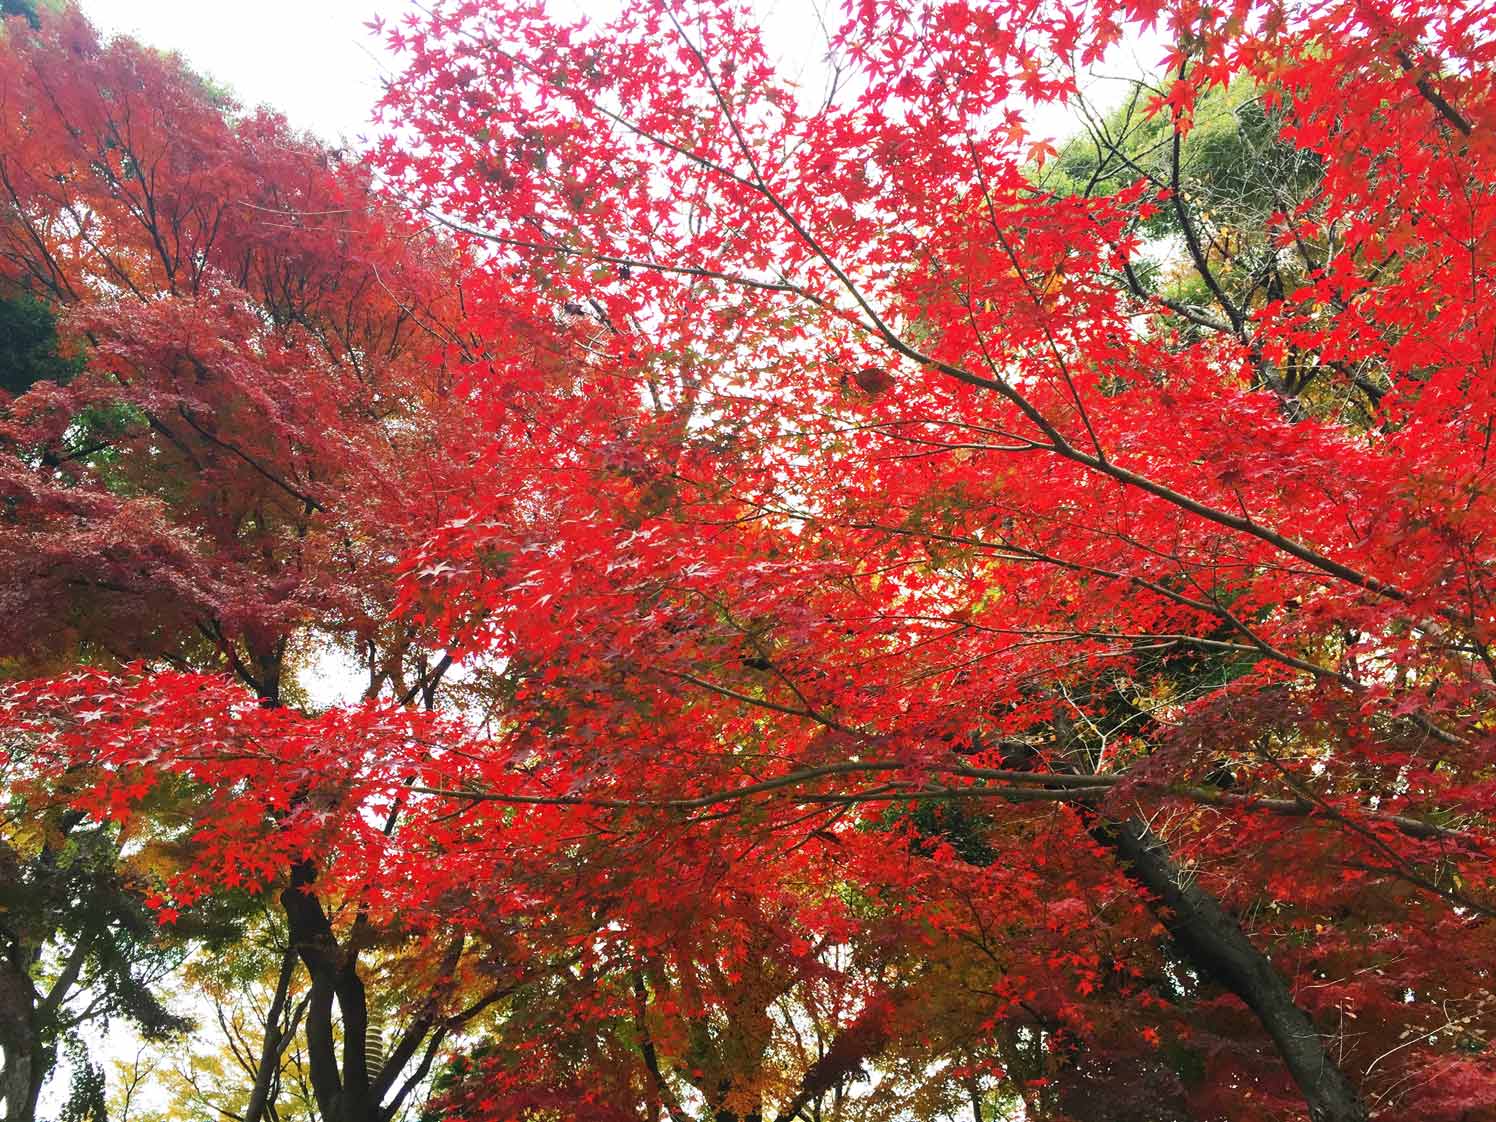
<point>904,599</point>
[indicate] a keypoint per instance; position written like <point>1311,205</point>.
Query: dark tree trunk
<point>277,1034</point>
<point>1214,943</point>
<point>340,1088</point>
<point>24,1065</point>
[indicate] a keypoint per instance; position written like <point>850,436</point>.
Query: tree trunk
<point>24,1064</point>
<point>340,1088</point>
<point>1214,943</point>
<point>274,1043</point>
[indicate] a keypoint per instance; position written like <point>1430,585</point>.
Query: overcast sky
<point>314,60</point>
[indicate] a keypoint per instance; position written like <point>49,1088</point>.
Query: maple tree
<point>941,432</point>
<point>1007,617</point>
<point>225,378</point>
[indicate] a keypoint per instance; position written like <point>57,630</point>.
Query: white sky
<point>314,60</point>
